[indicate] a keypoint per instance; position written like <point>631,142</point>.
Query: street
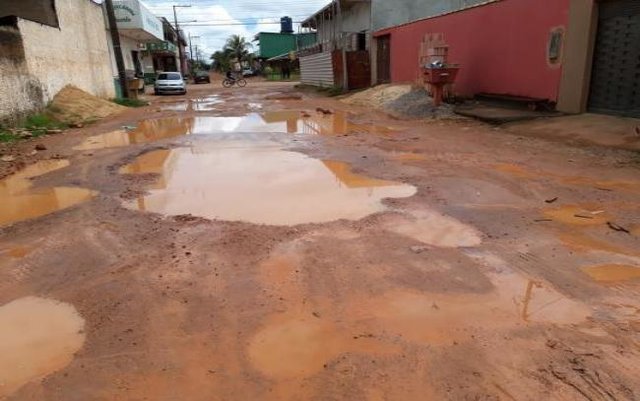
<point>270,243</point>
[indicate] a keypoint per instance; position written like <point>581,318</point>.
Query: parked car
<point>248,72</point>
<point>201,77</point>
<point>170,83</point>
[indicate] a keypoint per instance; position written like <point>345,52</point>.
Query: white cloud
<point>234,14</point>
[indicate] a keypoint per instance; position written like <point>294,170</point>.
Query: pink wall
<point>502,47</point>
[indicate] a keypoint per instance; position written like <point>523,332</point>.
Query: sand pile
<point>403,101</point>
<point>73,105</point>
<point>378,96</point>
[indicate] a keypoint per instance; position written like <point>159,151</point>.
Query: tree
<point>221,60</point>
<point>238,47</point>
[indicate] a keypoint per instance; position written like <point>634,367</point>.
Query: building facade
<point>340,57</point>
<point>38,59</point>
<point>581,55</point>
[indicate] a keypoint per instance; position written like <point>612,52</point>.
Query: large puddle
<point>21,202</point>
<point>238,181</point>
<point>37,337</point>
<point>613,273</point>
<point>289,122</point>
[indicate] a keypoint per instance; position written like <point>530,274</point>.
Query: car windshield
<point>170,77</point>
<point>202,74</point>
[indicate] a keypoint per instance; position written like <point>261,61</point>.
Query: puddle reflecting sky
<point>290,122</point>
<point>236,181</point>
<point>21,202</point>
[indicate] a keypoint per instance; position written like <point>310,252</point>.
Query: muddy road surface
<point>265,244</point>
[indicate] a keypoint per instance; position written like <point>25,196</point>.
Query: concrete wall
<point>501,46</point>
<point>392,13</point>
<point>19,92</point>
<point>357,18</point>
<point>37,61</point>
<point>76,54</point>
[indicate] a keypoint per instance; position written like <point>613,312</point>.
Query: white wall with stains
<point>76,54</point>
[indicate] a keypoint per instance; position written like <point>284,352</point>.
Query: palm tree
<point>221,60</point>
<point>238,47</point>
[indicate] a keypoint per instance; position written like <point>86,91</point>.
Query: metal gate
<point>615,83</point>
<point>384,59</point>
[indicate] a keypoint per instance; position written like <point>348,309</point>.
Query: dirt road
<point>240,245</point>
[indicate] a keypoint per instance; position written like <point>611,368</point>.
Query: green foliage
<point>6,136</point>
<point>130,102</point>
<point>236,49</point>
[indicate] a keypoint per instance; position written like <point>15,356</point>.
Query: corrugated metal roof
<point>317,70</point>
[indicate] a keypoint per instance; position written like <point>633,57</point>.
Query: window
<point>170,77</point>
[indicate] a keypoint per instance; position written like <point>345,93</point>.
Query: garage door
<point>615,85</point>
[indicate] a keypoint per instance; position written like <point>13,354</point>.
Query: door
<point>615,81</point>
<point>384,59</point>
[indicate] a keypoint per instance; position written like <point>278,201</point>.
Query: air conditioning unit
<point>142,46</point>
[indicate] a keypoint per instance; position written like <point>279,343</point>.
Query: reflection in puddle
<point>435,229</point>
<point>21,202</point>
<point>301,345</point>
<point>262,185</point>
<point>613,273</point>
<point>292,122</point>
<point>37,337</point>
<point>442,318</point>
<point>198,104</point>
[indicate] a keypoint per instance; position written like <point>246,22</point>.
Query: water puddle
<point>579,215</point>
<point>259,184</point>
<point>37,337</point>
<point>610,185</point>
<point>298,347</point>
<point>291,122</point>
<point>22,202</point>
<point>435,229</point>
<point>198,104</point>
<point>16,252</point>
<point>613,273</point>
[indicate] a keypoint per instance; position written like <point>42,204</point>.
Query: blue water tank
<point>286,25</point>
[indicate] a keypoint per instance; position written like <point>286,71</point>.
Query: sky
<point>247,16</point>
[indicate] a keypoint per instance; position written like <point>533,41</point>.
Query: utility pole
<point>117,48</point>
<point>175,19</point>
<point>191,48</point>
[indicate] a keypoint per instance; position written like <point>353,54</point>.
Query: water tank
<point>286,25</point>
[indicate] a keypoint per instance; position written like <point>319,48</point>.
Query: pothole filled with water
<point>37,337</point>
<point>286,122</point>
<point>22,202</point>
<point>239,181</point>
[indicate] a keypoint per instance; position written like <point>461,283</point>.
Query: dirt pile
<point>403,101</point>
<point>73,105</point>
<point>378,96</point>
<point>418,104</point>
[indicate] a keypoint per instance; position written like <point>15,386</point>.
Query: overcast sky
<point>248,17</point>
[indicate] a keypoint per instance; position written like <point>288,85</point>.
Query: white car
<point>248,72</point>
<point>170,83</point>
